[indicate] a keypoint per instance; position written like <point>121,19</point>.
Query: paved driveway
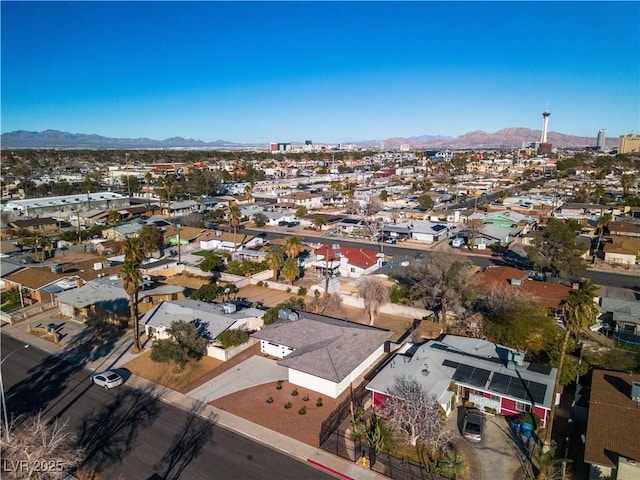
<point>498,454</point>
<point>253,371</point>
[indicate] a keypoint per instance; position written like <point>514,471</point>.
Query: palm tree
<point>234,215</point>
<point>131,278</point>
<point>453,465</point>
<point>290,270</point>
<point>293,247</point>
<point>134,254</point>
<point>275,259</point>
<point>579,312</point>
<point>167,187</point>
<point>147,180</point>
<point>603,222</point>
<point>375,294</point>
<point>626,182</point>
<point>319,222</point>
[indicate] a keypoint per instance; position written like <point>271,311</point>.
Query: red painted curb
<point>328,469</point>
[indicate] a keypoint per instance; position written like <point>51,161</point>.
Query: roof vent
<point>635,391</point>
<point>516,281</point>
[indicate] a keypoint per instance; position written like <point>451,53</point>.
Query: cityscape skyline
<point>331,71</point>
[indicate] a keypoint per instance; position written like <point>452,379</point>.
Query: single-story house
<point>623,318</point>
<point>185,234</point>
<point>612,449</point>
<point>506,219</point>
<point>165,267</point>
<point>39,225</point>
<point>122,232</point>
<point>103,298</point>
<point>622,251</point>
<point>323,354</point>
<point>419,230</point>
<point>216,318</point>
<point>624,229</point>
<point>491,376</point>
<point>227,241</point>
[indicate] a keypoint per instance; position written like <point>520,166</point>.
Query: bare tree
<point>35,448</point>
<point>410,412</point>
<point>473,229</point>
<point>352,207</point>
<point>441,280</point>
<point>325,303</point>
<point>375,294</point>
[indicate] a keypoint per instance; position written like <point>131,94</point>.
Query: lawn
<point>166,374</point>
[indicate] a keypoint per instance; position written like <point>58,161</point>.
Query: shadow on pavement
<point>187,444</point>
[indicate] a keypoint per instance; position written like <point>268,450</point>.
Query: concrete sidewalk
<point>121,354</point>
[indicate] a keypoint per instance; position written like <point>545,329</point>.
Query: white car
<point>107,379</point>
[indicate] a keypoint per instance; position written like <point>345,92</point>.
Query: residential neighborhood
<point>341,284</point>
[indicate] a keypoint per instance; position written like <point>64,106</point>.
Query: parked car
<point>457,242</point>
<point>473,425</point>
<point>108,379</point>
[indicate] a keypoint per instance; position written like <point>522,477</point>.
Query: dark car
<point>473,425</point>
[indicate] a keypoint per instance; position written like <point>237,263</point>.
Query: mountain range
<point>505,138</point>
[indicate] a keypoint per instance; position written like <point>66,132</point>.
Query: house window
<point>353,269</point>
<point>524,407</point>
<point>495,398</point>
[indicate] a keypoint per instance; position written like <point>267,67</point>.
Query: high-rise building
<point>629,143</point>
<point>545,148</point>
<point>601,139</point>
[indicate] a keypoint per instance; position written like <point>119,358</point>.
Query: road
<point>400,254</point>
<point>129,433</point>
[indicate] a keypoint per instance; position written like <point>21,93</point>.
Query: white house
<point>215,317</point>
<point>322,354</point>
<point>309,200</point>
<point>419,230</point>
<point>228,241</point>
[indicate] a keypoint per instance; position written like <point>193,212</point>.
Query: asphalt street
<point>131,434</point>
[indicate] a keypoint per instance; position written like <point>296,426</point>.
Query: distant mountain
<point>507,137</point>
<point>56,138</point>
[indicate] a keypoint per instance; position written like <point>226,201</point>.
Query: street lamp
<point>4,404</point>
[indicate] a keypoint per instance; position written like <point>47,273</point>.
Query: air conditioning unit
<point>229,308</point>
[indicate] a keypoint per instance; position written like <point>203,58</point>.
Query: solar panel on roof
<point>438,228</point>
<point>516,389</point>
<point>537,391</point>
<point>463,373</point>
<point>479,377</point>
<point>450,363</point>
<point>500,383</point>
<point>538,368</point>
<point>439,346</point>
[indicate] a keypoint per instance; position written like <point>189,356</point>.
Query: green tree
<point>211,262</point>
<point>556,247</point>
<point>302,211</point>
<point>319,222</point>
<point>516,320</point>
<point>384,196</point>
<point>150,239</point>
<point>260,219</point>
<point>187,341</point>
<point>293,246</point>
<point>425,201</point>
<point>113,217</point>
<point>627,180</point>
<point>453,465</point>
<point>579,312</point>
<point>207,293</point>
<point>290,269</point>
<point>275,259</point>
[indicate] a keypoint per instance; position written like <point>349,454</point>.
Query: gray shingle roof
<point>324,347</point>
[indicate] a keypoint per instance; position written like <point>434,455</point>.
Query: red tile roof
<point>358,257</point>
<point>551,295</point>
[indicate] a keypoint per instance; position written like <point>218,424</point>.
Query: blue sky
<point>326,71</point>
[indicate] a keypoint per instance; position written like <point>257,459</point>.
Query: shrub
<point>302,411</point>
<point>266,285</point>
<point>288,405</point>
<point>319,402</point>
<point>269,400</point>
<point>305,398</point>
<point>279,385</point>
<point>288,290</point>
<point>260,284</point>
<point>469,404</point>
<point>295,392</point>
<point>232,337</point>
<point>302,291</point>
<point>491,410</point>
